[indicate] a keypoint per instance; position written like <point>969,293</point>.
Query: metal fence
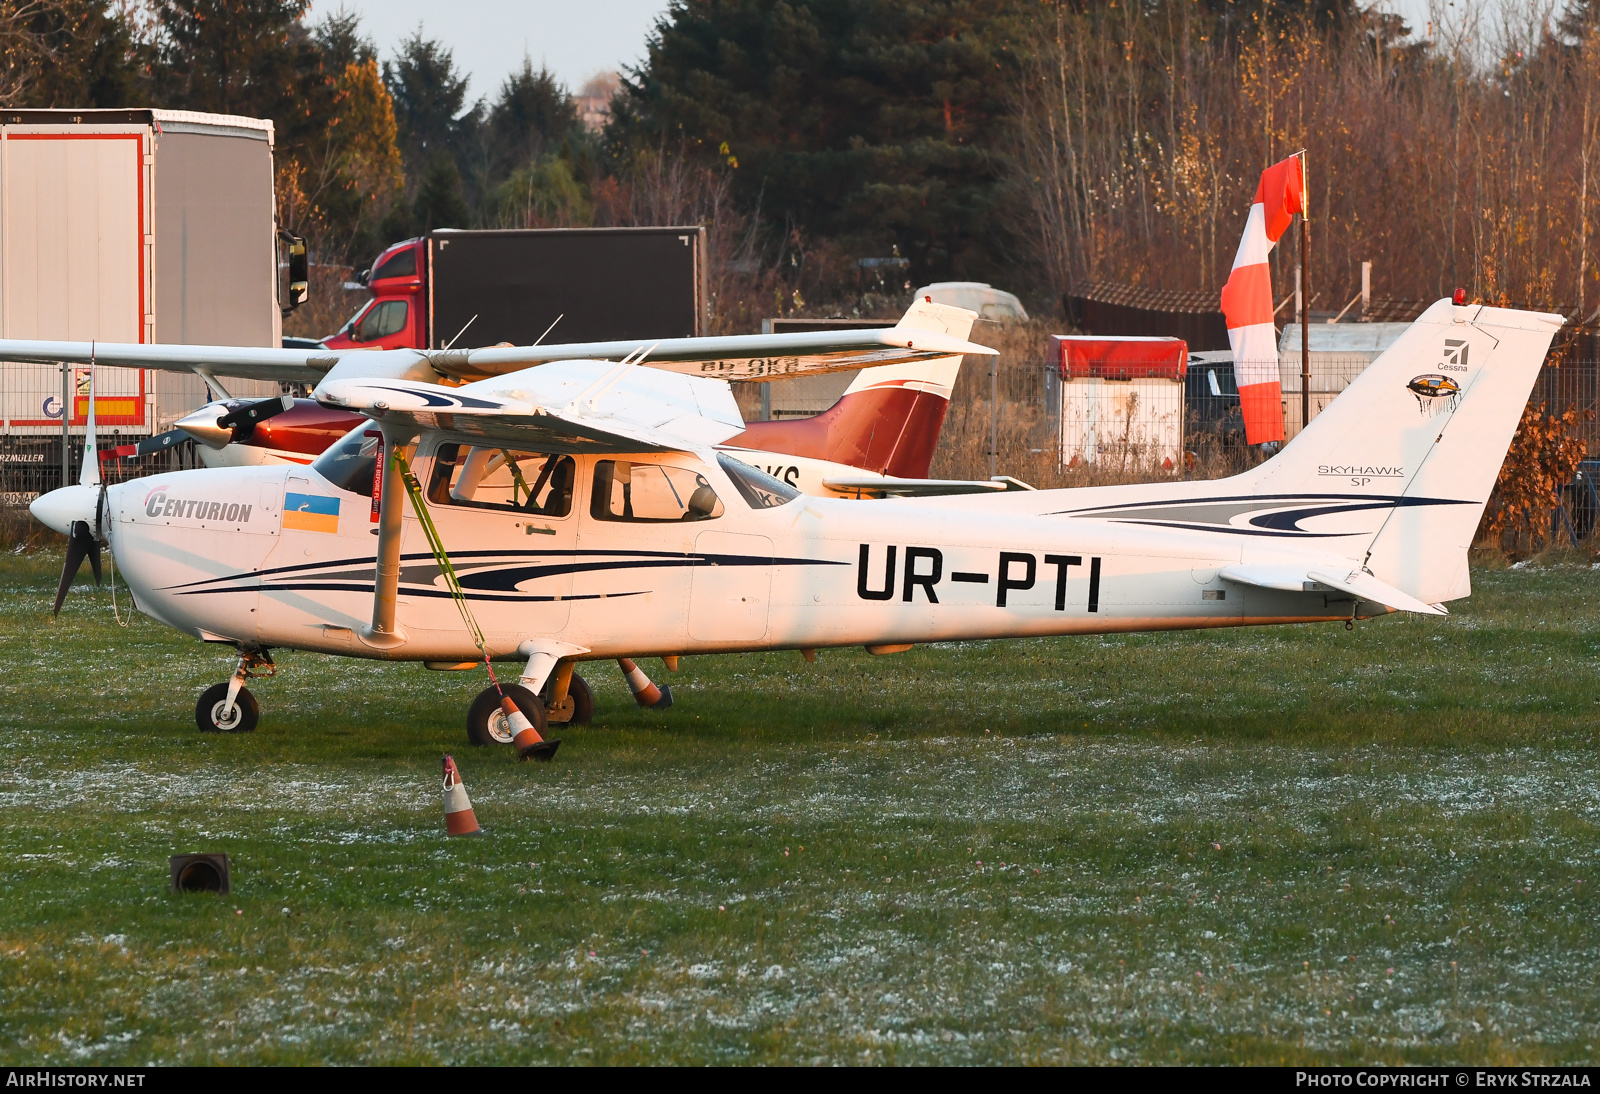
<point>1572,385</point>
<point>30,466</point>
<point>130,404</point>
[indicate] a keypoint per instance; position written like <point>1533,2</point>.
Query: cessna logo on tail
<point>1455,355</point>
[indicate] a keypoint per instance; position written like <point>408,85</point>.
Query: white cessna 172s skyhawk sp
<point>636,537</point>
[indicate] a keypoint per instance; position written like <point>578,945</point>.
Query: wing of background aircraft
<point>889,487</point>
<point>569,406</point>
<point>920,335</point>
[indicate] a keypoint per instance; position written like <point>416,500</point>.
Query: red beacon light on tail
<point>1460,297</point>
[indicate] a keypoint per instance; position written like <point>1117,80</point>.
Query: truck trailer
<point>127,226</point>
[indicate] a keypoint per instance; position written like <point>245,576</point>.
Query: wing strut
<point>383,634</point>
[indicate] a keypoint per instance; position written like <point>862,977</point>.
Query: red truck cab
<point>397,316</point>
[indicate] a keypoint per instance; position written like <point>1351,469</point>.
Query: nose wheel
<point>215,714</point>
<point>229,707</point>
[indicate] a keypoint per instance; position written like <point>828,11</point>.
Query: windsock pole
<point>458,816</point>
<point>1305,294</point>
<point>645,693</point>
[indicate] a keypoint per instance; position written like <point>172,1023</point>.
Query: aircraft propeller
<point>84,542</point>
<point>161,442</point>
<point>214,430</point>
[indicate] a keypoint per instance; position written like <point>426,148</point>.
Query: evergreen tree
<point>868,121</point>
<point>429,100</point>
<point>88,54</point>
<point>533,114</point>
<point>339,38</point>
<point>251,57</point>
<point>439,202</point>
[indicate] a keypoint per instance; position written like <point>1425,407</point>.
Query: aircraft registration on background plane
<point>586,512</point>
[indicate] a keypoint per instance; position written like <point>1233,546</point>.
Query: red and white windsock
<point>1247,300</point>
<point>458,817</point>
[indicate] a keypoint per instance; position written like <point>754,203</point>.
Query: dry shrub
<point>21,534</point>
<point>1140,131</point>
<point>1543,458</point>
<point>328,303</point>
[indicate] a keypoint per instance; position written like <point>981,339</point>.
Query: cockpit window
<point>350,462</point>
<point>651,493</point>
<point>403,264</point>
<point>757,487</point>
<point>501,478</point>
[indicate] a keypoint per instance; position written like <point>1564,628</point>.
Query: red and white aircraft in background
<point>877,440</point>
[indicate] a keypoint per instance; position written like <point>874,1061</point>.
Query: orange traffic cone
<point>526,739</point>
<point>458,816</point>
<point>645,693</point>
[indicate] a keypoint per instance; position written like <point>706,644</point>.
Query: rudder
<point>1417,440</point>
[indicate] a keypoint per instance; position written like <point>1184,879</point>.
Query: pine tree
<point>251,57</point>
<point>429,99</point>
<point>533,114</point>
<point>869,121</point>
<point>439,202</point>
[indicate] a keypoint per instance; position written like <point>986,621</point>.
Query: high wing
<point>920,335</point>
<point>250,362</point>
<point>568,406</point>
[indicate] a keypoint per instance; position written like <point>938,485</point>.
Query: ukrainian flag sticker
<point>310,512</point>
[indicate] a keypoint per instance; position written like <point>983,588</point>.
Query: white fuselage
<point>211,553</point>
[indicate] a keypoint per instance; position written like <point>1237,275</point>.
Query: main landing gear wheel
<point>209,716</point>
<point>577,709</point>
<point>486,720</point>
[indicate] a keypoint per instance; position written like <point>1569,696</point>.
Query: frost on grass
<point>877,880</point>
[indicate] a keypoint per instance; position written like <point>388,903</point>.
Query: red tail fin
<point>888,419</point>
<point>891,428</point>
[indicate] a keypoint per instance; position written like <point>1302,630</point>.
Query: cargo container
<point>480,288</point>
<point>127,226</point>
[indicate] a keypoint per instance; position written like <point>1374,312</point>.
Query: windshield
<point>757,487</point>
<point>351,322</point>
<point>349,464</point>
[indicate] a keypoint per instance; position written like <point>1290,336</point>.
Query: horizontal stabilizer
<point>920,488</point>
<point>1300,579</point>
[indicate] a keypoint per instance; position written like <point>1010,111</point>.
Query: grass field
<point>1261,845</point>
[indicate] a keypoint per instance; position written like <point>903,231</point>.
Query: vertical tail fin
<point>1403,461</point>
<point>888,419</point>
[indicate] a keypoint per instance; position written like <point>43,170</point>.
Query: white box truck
<point>127,226</point>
